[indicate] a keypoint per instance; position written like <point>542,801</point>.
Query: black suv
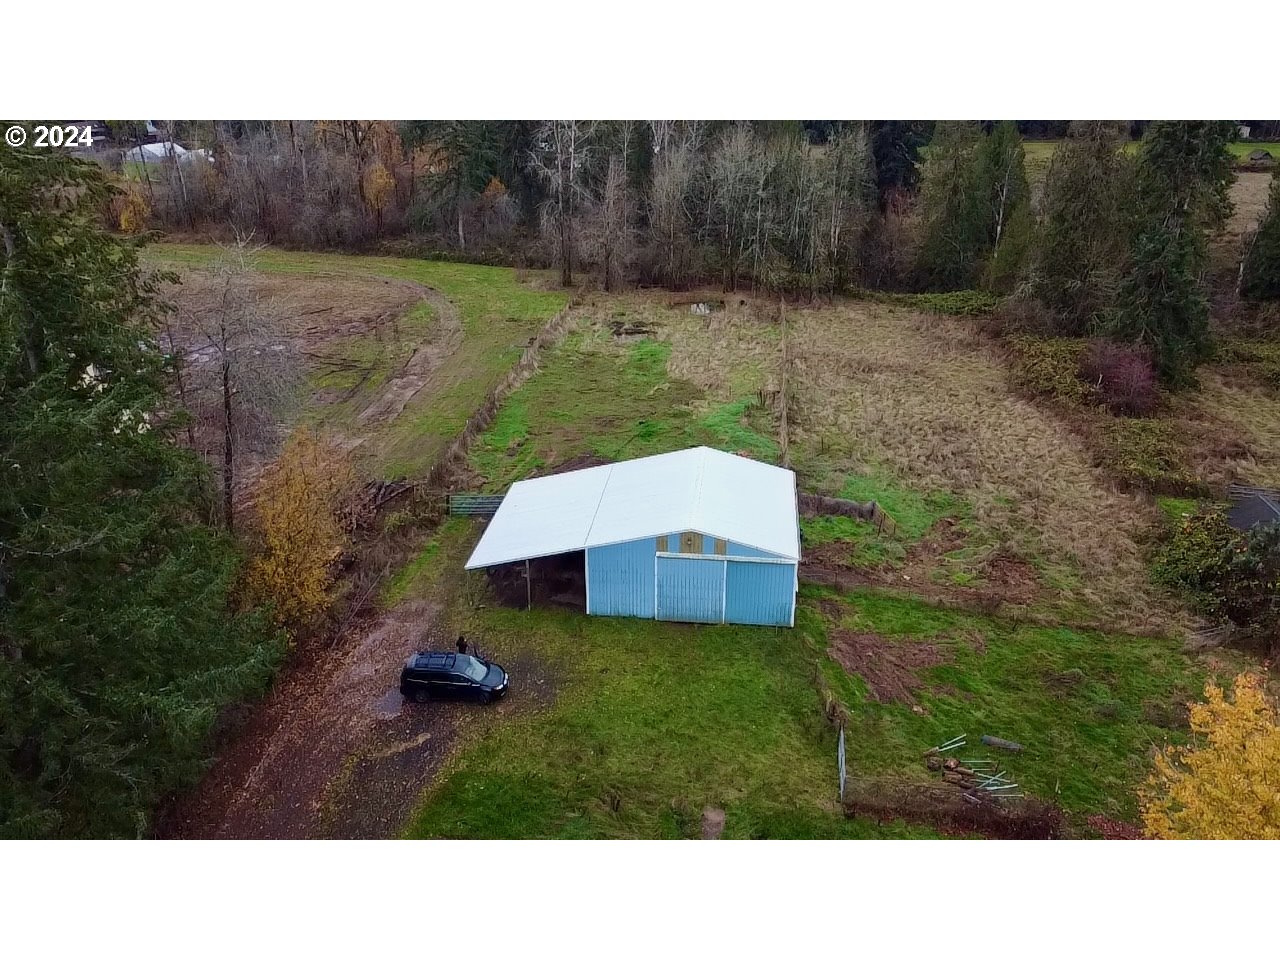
<point>460,676</point>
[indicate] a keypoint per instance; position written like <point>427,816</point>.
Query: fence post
<point>840,762</point>
<point>784,450</point>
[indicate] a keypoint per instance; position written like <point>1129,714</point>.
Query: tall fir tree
<point>1086,226</point>
<point>1260,270</point>
<point>117,644</point>
<point>895,147</point>
<point>1001,180</point>
<point>953,209</point>
<point>1183,176</point>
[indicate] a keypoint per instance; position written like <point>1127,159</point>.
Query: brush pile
<point>979,780</point>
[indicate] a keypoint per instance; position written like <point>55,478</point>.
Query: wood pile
<point>979,780</point>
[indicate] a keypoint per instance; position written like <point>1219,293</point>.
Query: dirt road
<point>274,780</point>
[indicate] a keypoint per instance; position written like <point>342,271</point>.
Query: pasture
<point>1014,599</point>
<point>1010,603</point>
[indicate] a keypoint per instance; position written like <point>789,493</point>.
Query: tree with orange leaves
<point>1226,784</point>
<point>298,502</point>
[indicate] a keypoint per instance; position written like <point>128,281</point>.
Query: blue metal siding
<point>625,579</point>
<point>738,550</point>
<point>690,590</point>
<point>620,579</point>
<point>760,593</point>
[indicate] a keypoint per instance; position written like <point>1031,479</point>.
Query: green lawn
<point>1242,148</point>
<point>614,400</point>
<point>498,314</point>
<point>649,723</point>
<point>1087,705</point>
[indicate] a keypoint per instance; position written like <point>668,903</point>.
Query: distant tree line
<point>653,202</point>
<point>1113,243</point>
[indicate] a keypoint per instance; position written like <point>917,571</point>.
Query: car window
<point>470,668</point>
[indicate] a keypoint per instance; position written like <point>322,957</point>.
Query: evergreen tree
<point>1001,181</point>
<point>954,209</point>
<point>117,648</point>
<point>1086,226</point>
<point>1260,271</point>
<point>1183,176</point>
<point>896,145</point>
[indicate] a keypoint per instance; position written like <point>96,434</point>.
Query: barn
<point>697,535</point>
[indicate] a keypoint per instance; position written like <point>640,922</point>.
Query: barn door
<point>690,589</point>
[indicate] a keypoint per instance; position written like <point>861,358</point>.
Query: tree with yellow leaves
<point>133,210</point>
<point>1226,784</point>
<point>379,187</point>
<point>298,502</point>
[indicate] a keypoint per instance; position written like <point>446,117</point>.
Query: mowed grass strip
<point>498,313</point>
<point>615,400</point>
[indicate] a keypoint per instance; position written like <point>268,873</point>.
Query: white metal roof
<point>700,489</point>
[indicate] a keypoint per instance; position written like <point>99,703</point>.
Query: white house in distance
<point>697,535</point>
<point>162,151</point>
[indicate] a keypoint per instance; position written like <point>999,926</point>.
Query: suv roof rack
<point>444,660</point>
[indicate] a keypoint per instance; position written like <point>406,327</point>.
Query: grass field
<point>495,315</point>
<point>1088,705</point>
<point>648,724</point>
<point>639,725</point>
<point>1040,152</point>
<point>919,415</point>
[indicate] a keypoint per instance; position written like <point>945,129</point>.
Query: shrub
<point>1227,573</point>
<point>1049,367</point>
<point>1249,584</point>
<point>1147,454</point>
<point>1021,313</point>
<point>1190,559</point>
<point>955,303</point>
<point>1122,375</point>
<point>1260,271</point>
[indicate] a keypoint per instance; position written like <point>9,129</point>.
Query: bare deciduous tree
<point>560,160</point>
<point>670,225</point>
<point>848,187</point>
<point>610,239</point>
<point>250,368</point>
<point>737,176</point>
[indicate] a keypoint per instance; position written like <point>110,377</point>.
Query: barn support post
<point>528,587</point>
